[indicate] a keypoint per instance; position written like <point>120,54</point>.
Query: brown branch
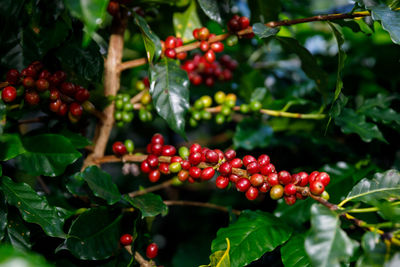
<point>272,24</point>
<point>138,97</point>
<point>111,87</point>
<point>139,258</point>
<point>199,204</point>
<point>3,84</point>
<point>151,188</point>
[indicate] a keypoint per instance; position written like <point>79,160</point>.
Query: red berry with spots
<point>195,172</point>
<point>152,251</point>
<point>284,177</point>
<point>154,176</point>
<point>163,168</point>
<point>152,160</point>
<point>195,158</point>
<point>222,182</point>
<point>303,178</point>
<point>212,156</point>
<point>244,22</point>
<point>236,163</point>
<point>264,187</point>
<point>32,98</point>
<point>9,94</point>
<point>76,109</point>
<point>243,184</point>
<point>230,154</point>
<point>247,159</point>
<point>251,193</point>
<point>156,149</point>
<point>290,200</point>
<point>12,77</point>
<point>317,188</point>
<point>257,179</point>
<point>170,52</point>
<point>225,168</point>
<point>119,148</point>
<point>195,148</point>
<point>290,189</point>
<point>312,176</point>
<point>324,178</point>
<point>273,179</point>
<point>168,151</point>
<point>263,160</point>
<point>207,173</point>
<point>126,239</point>
<point>253,167</point>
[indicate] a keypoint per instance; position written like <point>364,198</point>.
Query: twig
<point>139,258</point>
<point>199,204</point>
<point>33,120</point>
<point>138,97</point>
<point>151,188</point>
<point>3,84</point>
<point>272,24</point>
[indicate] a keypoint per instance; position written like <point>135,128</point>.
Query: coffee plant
<point>199,133</point>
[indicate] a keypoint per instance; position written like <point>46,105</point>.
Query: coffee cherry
<point>170,42</point>
<point>183,175</point>
<point>204,46</point>
<point>256,179</point>
<point>82,95</point>
<point>276,192</point>
<point>176,159</point>
<point>152,160</point>
<point>244,108</point>
<point>181,55</point>
<point>253,167</point>
<point>157,139</point>
<point>30,71</point>
<point>230,154</point>
<point>234,178</point>
<point>130,146</point>
<point>195,148</point>
<point>206,100</point>
<point>222,182</point>
<point>290,189</point>
<point>126,239</point>
<point>290,200</point>
<point>170,52</point>
<point>236,163</point>
<point>156,149</point>
<point>316,188</point>
<point>154,176</point>
<point>210,56</point>
<point>221,155</point>
<point>12,77</point>
<point>195,172</point>
<point>203,33</point>
<point>312,176</point>
<point>325,195</point>
<point>168,151</point>
<point>243,184</point>
<point>32,98</point>
<point>145,167</point>
<point>219,97</point>
<point>273,179</point>
<point>68,88</point>
<point>76,109</point>
<point>233,24</point>
<point>196,33</point>
<point>152,251</point>
<point>186,165</point>
<point>255,106</point>
<point>248,159</point>
<point>42,85</point>
<point>264,187</point>
<point>267,169</point>
<point>244,22</point>
<point>195,158</point>
<point>207,173</point>
<point>217,47</point>
<point>55,105</point>
<point>178,42</point>
<point>303,178</point>
<point>212,156</point>
<point>9,94</point>
<point>164,168</point>
<point>209,81</point>
<point>225,168</point>
<point>263,160</point>
<point>28,82</point>
<point>251,193</point>
<point>175,167</point>
<point>284,177</point>
<point>113,8</point>
<point>324,178</point>
<point>63,109</point>
<point>183,152</point>
<point>119,148</point>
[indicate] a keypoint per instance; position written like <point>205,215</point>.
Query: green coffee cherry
<point>146,98</point>
<point>175,167</point>
<point>126,98</point>
<point>205,115</point>
<point>120,124</point>
<point>143,114</point>
<point>118,115</point>
<point>196,115</point>
<point>207,101</point>
<point>219,118</point>
<point>244,108</point>
<point>193,123</point>
<point>140,85</point>
<point>127,116</point>
<point>232,40</point>
<point>119,104</point>
<point>226,110</point>
<point>325,195</point>
<point>219,97</point>
<point>184,152</point>
<point>128,106</point>
<point>255,105</point>
<point>129,146</point>
<point>198,104</point>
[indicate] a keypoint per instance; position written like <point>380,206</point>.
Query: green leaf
<point>11,146</point>
<point>151,40</point>
<point>211,9</point>
<point>252,235</point>
<point>11,256</point>
<point>380,101</point>
<point>94,235</point>
<point>308,62</point>
<point>77,140</point>
<point>265,10</point>
<point>263,31</point>
<point>338,106</point>
<point>293,252</point>
<point>17,234</point>
<point>249,81</point>
<point>90,12</point>
<point>258,94</point>
<point>251,133</point>
<point>382,186</point>
<point>351,122</point>
<point>296,214</point>
<point>220,258</point>
<point>33,208</point>
<point>374,250</point>
<point>169,90</point>
<point>383,115</point>
<point>3,215</point>
<point>327,244</point>
<point>101,184</point>
<point>185,22</point>
<point>149,204</point>
<point>47,154</point>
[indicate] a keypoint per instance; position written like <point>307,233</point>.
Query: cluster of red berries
<point>35,82</point>
<point>168,48</point>
<point>151,250</point>
<point>237,23</point>
<point>209,49</point>
<point>201,164</point>
<point>200,70</point>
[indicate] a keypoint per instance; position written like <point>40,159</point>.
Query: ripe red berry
<point>32,98</point>
<point>276,192</point>
<point>168,151</point>
<point>225,168</point>
<point>234,24</point>
<point>176,159</point>
<point>209,81</point>
<point>324,178</point>
<point>195,172</point>
<point>257,179</point>
<point>157,139</point>
<point>170,52</point>
<point>212,156</point>
<point>156,149</point>
<point>9,94</point>
<point>28,82</point>
<point>303,178</point>
<point>210,56</point>
<point>243,184</point>
<point>178,42</point>
<point>217,47</point>
<point>264,187</point>
<point>196,33</point>
<point>126,239</point>
<point>183,175</point>
<point>312,176</point>
<point>163,168</point>
<point>45,74</point>
<point>42,85</point>
<point>181,55</point>
<point>284,177</point>
<point>230,154</point>
<point>68,88</point>
<point>30,71</point>
<point>236,163</point>
<point>63,109</point>
<point>82,95</point>
<point>170,42</point>
<point>186,165</point>
<point>55,105</point>
<point>222,182</point>
<point>234,178</point>
<point>273,179</point>
<point>113,8</point>
<point>317,188</point>
<point>267,169</point>
<point>145,167</point>
<point>290,200</point>
<point>251,193</point>
<point>244,22</point>
<point>253,167</point>
<point>154,176</point>
<point>204,46</point>
<point>152,251</point>
<point>247,159</point>
<point>152,160</point>
<point>207,173</point>
<point>54,94</point>
<point>263,160</point>
<point>290,189</point>
<point>196,79</point>
<point>195,158</point>
<point>195,148</point>
<point>76,109</point>
<point>119,148</point>
<point>12,77</point>
<point>203,33</point>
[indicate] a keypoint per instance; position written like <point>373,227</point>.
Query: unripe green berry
<point>219,97</point>
<point>325,195</point>
<point>219,118</point>
<point>207,101</point>
<point>149,116</point>
<point>129,146</point>
<point>196,115</point>
<point>118,115</point>
<point>128,107</point>
<point>120,124</point>
<point>140,85</point>
<point>143,114</point>
<point>184,152</point>
<point>126,98</point>
<point>230,102</point>
<point>225,110</point>
<point>118,97</point>
<point>205,115</point>
<point>175,167</point>
<point>146,98</point>
<point>255,105</point>
<point>232,40</point>
<point>193,123</point>
<point>127,116</point>
<point>119,104</point>
<point>198,104</point>
<point>244,108</point>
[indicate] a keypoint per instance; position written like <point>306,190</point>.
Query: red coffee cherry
<point>168,151</point>
<point>243,184</point>
<point>284,177</point>
<point>9,94</point>
<point>230,154</point>
<point>273,179</point>
<point>63,109</point>
<point>303,178</point>
<point>256,179</point>
<point>154,176</point>
<point>170,52</point>
<point>30,71</point>
<point>195,148</point>
<point>263,160</point>
<point>186,165</point>
<point>217,47</point>
<point>156,149</point>
<point>195,158</point>
<point>316,188</point>
<point>152,160</point>
<point>82,95</point>
<point>244,22</point>
<point>290,200</point>
<point>54,94</point>
<point>233,23</point>
<point>253,167</point>
<point>181,55</point>
<point>264,187</point>
<point>203,33</point>
<point>176,159</point>
<point>119,148</point>
<point>28,82</point>
<point>178,42</point>
<point>157,139</point>
<point>145,167</point>
<point>13,76</point>
<point>324,178</point>
<point>76,109</point>
<point>209,81</point>
<point>212,156</point>
<point>55,105</point>
<point>267,169</point>
<point>247,159</point>
<point>210,56</point>
<point>32,98</point>
<point>163,168</point>
<point>195,172</point>
<point>312,176</point>
<point>113,8</point>
<point>126,239</point>
<point>290,189</point>
<point>196,33</point>
<point>204,46</point>
<point>276,192</point>
<point>170,42</point>
<point>207,173</point>
<point>222,182</point>
<point>234,178</point>
<point>225,168</point>
<point>183,175</point>
<point>251,193</point>
<point>42,85</point>
<point>236,163</point>
<point>45,74</point>
<point>152,251</point>
<point>68,88</point>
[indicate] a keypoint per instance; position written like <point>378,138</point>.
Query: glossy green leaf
<point>149,204</point>
<point>33,208</point>
<point>185,22</point>
<point>169,90</point>
<point>293,252</point>
<point>383,115</point>
<point>265,10</point>
<point>308,62</point>
<point>296,214</point>
<point>351,122</point>
<point>77,140</point>
<point>47,154</point>
<point>90,12</point>
<point>381,186</point>
<point>151,40</point>
<point>94,235</point>
<point>76,185</point>
<point>11,256</point>
<point>101,184</point>
<point>251,133</point>
<point>374,251</point>
<point>327,244</point>
<point>211,9</point>
<point>252,235</point>
<point>263,31</point>
<point>258,94</point>
<point>220,258</point>
<point>338,106</point>
<point>380,101</point>
<point>3,215</point>
<point>10,146</point>
<point>17,234</point>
